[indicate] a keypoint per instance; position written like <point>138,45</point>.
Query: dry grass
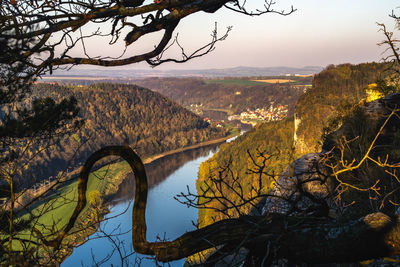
<point>274,81</point>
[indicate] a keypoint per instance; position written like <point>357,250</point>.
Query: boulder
<point>304,188</point>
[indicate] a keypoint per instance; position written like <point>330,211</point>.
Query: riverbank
<point>30,194</point>
<point>207,143</point>
<point>119,172</point>
<point>103,183</point>
<point>171,175</point>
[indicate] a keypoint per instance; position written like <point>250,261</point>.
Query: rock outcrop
<point>307,188</point>
<point>304,188</point>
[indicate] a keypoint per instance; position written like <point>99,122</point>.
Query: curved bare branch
<point>53,26</point>
<point>296,238</point>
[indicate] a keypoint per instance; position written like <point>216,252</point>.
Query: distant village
<point>273,113</point>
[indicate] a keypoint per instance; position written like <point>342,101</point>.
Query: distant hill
<point>331,90</point>
<point>227,72</point>
<point>231,96</point>
<point>115,114</point>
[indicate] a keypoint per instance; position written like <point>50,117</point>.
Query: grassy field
<point>232,130</point>
<point>65,198</point>
<point>54,212</point>
<point>56,209</point>
<point>298,80</point>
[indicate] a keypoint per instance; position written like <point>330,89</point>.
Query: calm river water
<point>166,218</point>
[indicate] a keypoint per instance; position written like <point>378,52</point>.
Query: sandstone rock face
<point>383,106</point>
<point>304,188</point>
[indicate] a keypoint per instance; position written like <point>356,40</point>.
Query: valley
<point>220,98</point>
<point>116,114</point>
<point>208,133</point>
<point>100,117</point>
<point>279,110</point>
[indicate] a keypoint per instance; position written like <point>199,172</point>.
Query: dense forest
<point>336,89</point>
<point>117,114</point>
<point>333,89</point>
<point>232,96</point>
<point>268,148</point>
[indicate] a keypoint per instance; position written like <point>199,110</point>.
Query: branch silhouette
<point>294,238</point>
<point>55,28</point>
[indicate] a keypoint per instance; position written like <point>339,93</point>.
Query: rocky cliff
<point>355,174</point>
<point>357,165</point>
<point>332,89</point>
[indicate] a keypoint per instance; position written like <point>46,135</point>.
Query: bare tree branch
<point>375,235</point>
<point>56,27</point>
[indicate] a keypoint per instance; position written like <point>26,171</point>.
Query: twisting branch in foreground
<point>299,239</point>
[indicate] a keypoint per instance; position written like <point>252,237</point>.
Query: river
<point>166,218</point>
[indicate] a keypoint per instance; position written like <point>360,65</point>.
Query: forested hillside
<point>334,88</point>
<point>233,97</point>
<point>253,160</point>
<point>116,114</point>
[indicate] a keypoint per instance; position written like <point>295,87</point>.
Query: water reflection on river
<point>166,218</point>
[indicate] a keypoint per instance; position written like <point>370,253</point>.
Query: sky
<point>319,33</point>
